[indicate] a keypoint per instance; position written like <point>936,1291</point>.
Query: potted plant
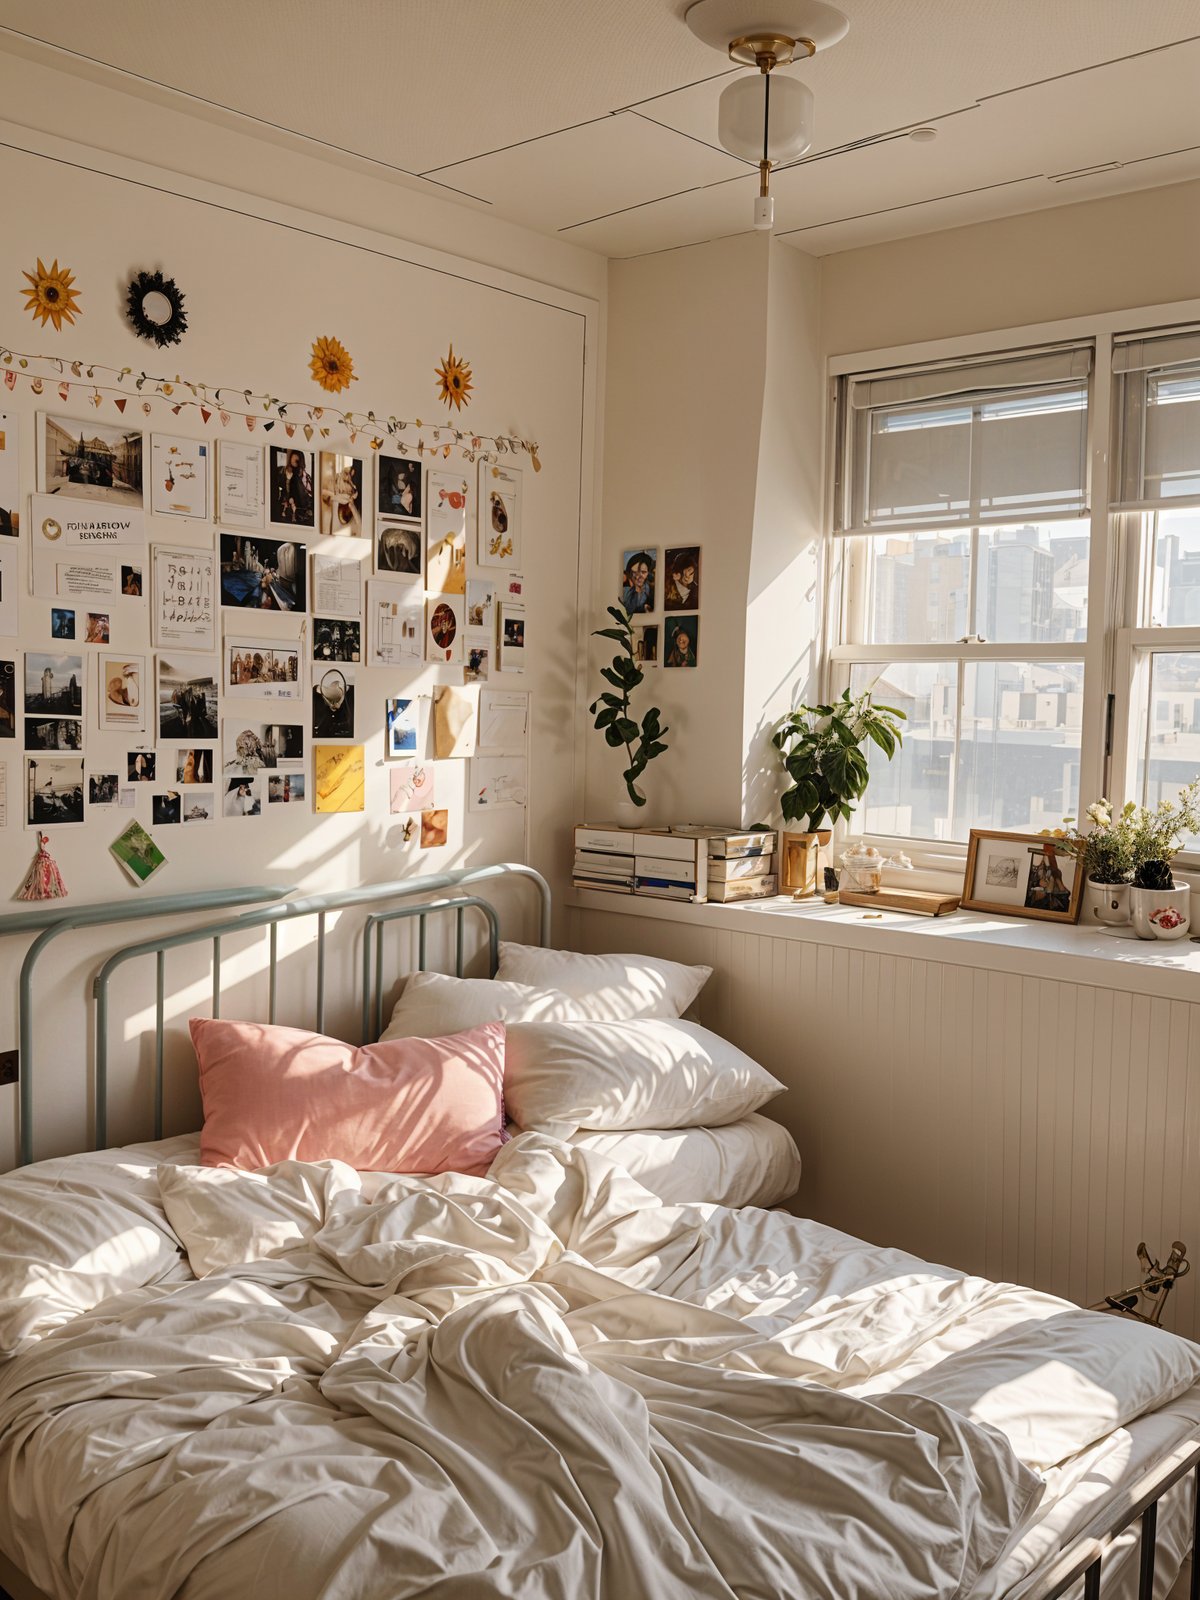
<point>642,741</point>
<point>1127,859</point>
<point>822,752</point>
<point>1105,857</point>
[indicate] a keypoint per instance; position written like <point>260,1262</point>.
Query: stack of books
<point>669,865</point>
<point>681,863</point>
<point>741,866</point>
<point>604,859</point>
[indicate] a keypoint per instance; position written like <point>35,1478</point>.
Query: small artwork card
<point>339,777</point>
<point>54,733</point>
<point>285,788</point>
<point>292,502</point>
<point>8,700</point>
<point>97,627</point>
<point>398,483</point>
<point>682,641</point>
<point>53,684</point>
<point>179,478</point>
<point>10,485</point>
<point>342,480</point>
<point>242,797</point>
<point>395,626</point>
<point>400,730</point>
<point>455,721</point>
<point>193,766</point>
<point>497,783</point>
<point>62,623</point>
<point>639,580</point>
<point>104,789</point>
<point>444,629</point>
<point>137,852</point>
<point>337,585</point>
<point>86,459</point>
<point>263,669</point>
<point>681,578</point>
<point>333,703</point>
<point>252,747</point>
<point>475,663</point>
<point>512,638</point>
<point>54,791</point>
<point>435,829</point>
<point>499,515</point>
<point>503,722</point>
<point>178,807</point>
<point>398,552</point>
<point>241,485</point>
<point>183,611</point>
<point>187,698</point>
<point>141,766</point>
<point>645,644</point>
<point>122,693</point>
<point>259,574</point>
<point>446,533</point>
<point>336,639</point>
<point>481,605</point>
<point>411,786</point>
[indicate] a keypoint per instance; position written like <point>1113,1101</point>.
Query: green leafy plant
<point>1136,841</point>
<point>822,752</point>
<point>642,741</point>
<point>1154,875</point>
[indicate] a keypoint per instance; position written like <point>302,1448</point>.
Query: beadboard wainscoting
<point>1028,1128</point>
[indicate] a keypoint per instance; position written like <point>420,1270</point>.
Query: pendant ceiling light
<point>765,119</point>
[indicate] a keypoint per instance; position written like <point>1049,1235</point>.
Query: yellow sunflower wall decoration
<point>454,381</point>
<point>50,297</point>
<point>331,365</point>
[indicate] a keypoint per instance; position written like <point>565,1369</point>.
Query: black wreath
<point>160,333</point>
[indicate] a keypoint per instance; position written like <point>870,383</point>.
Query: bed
<point>549,1380</point>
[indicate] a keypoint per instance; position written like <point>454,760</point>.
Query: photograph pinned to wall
<point>333,703</point>
<point>141,766</point>
<point>179,477</point>
<point>398,552</point>
<point>241,484</point>
<point>401,719</point>
<point>53,733</point>
<point>639,577</point>
<point>503,722</point>
<point>411,787</point>
<point>1021,875</point>
<point>54,684</point>
<point>10,485</point>
<point>455,722</point>
<point>187,698</point>
<point>285,788</point>
<point>444,629</point>
<point>292,501</point>
<point>242,797</point>
<point>511,587</point>
<point>342,480</point>
<point>511,630</point>
<point>103,789</point>
<point>131,581</point>
<point>395,626</point>
<point>8,699</point>
<point>398,485</point>
<point>263,669</point>
<point>86,459</point>
<point>137,852</point>
<point>193,766</point>
<point>481,605</point>
<point>184,596</point>
<point>475,663</point>
<point>54,790</point>
<point>199,805</point>
<point>122,692</point>
<point>499,533</point>
<point>97,627</point>
<point>339,777</point>
<point>435,829</point>
<point>336,639</point>
<point>62,623</point>
<point>681,641</point>
<point>9,592</point>
<point>497,783</point>
<point>252,747</point>
<point>337,586</point>
<point>261,574</point>
<point>645,644</point>
<point>681,578</point>
<point>448,495</point>
<point>166,810</point>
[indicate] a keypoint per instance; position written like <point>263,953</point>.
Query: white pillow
<point>753,1162</point>
<point>611,988</point>
<point>649,1073</point>
<point>434,1005</point>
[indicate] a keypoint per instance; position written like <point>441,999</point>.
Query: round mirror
<point>156,308</point>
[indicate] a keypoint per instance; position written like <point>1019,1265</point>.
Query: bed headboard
<point>419,899</point>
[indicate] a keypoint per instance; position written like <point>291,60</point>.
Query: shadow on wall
<point>763,777</point>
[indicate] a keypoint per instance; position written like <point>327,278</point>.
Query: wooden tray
<point>922,902</point>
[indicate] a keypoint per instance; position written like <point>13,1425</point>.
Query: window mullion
<point>973,586</point>
<point>952,800</point>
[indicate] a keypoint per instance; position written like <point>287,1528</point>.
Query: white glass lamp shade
<point>740,118</point>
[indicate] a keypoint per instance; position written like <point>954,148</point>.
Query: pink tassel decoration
<point>43,881</point>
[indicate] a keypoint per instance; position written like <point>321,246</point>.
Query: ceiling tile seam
<point>682,89</point>
<point>909,205</point>
<point>690,244</point>
<point>1096,66</point>
<point>885,136</point>
<point>695,138</point>
<point>235,111</point>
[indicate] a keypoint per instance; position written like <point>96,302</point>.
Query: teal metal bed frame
<point>274,906</point>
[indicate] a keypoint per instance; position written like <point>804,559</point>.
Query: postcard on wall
<point>292,501</point>
<point>396,626</point>
<point>137,852</point>
<point>192,765</point>
<point>252,747</point>
<point>499,515</point>
<point>444,629</point>
<point>242,797</point>
<point>398,551</point>
<point>78,549</point>
<point>503,721</point>
<point>123,686</point>
<point>8,699</point>
<point>342,494</point>
<point>53,791</point>
<point>336,639</point>
<point>398,484</point>
<point>263,669</point>
<point>645,644</point>
<point>497,783</point>
<point>481,605</point>
<point>179,478</point>
<point>241,485</point>
<point>475,662</point>
<point>178,806</point>
<point>681,578</point>
<point>54,733</point>
<point>401,729</point>
<point>512,638</point>
<point>435,828</point>
<point>187,698</point>
<point>183,579</point>
<point>455,722</point>
<point>411,786</point>
<point>333,703</point>
<point>54,684</point>
<point>447,496</point>
<point>339,777</point>
<point>286,788</point>
<point>261,574</point>
<point>141,766</point>
<point>639,580</point>
<point>9,589</point>
<point>337,586</point>
<point>10,483</point>
<point>86,459</point>
<point>682,641</point>
<point>103,789</point>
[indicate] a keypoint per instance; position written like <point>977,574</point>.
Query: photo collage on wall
<point>659,589</point>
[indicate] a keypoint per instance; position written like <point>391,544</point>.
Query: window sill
<point>1110,958</point>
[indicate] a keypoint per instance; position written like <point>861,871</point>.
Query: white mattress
<point>752,1162</point>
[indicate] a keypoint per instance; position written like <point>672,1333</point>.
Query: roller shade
<point>1157,415</point>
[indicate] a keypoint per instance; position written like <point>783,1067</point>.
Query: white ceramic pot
<point>1161,913</point>
<point>625,813</point>
<point>1106,903</point>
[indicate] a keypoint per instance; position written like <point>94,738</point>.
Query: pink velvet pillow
<point>409,1105</point>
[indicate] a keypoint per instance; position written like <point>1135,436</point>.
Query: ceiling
<point>595,120</point>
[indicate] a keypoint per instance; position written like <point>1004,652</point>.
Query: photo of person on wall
<point>637,580</point>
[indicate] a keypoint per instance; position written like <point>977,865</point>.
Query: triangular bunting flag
<point>36,385</point>
<point>64,390</point>
<point>250,421</point>
<point>267,426</point>
<point>308,433</point>
<point>205,414</point>
<point>175,410</point>
<point>119,402</point>
<point>224,416</point>
<point>10,379</point>
<point>290,429</point>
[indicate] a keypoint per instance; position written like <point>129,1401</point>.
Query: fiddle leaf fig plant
<point>821,749</point>
<point>613,713</point>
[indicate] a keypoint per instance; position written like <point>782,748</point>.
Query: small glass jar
<point>862,869</point>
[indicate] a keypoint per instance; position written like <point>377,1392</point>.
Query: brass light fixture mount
<point>766,51</point>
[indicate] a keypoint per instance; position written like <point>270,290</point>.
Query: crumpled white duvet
<point>545,1384</point>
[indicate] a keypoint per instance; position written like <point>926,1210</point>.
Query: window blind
<point>1157,415</point>
<point>992,441</point>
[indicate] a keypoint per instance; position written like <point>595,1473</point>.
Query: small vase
<point>1106,903</point>
<point>626,814</point>
<point>801,861</point>
<point>1161,913</point>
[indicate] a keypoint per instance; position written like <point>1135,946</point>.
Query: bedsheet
<point>548,1383</point>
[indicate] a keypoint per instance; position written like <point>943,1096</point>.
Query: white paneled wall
<point>1025,1128</point>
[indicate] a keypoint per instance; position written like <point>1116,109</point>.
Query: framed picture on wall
<point>90,460</point>
<point>499,527</point>
<point>292,500</point>
<point>1021,875</point>
<point>341,494</point>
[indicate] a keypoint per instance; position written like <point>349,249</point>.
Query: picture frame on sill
<point>1021,875</point>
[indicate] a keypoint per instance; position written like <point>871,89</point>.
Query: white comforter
<point>545,1383</point>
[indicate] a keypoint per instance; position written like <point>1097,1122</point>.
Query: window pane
<point>1032,585</point>
<point>919,465</point>
<point>910,795</point>
<point>1018,763</point>
<point>918,587</point>
<point>1169,728</point>
<point>1033,453</point>
<point>1172,442</point>
<point>1175,602</point>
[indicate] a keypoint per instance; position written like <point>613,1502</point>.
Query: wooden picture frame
<point>1034,878</point>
